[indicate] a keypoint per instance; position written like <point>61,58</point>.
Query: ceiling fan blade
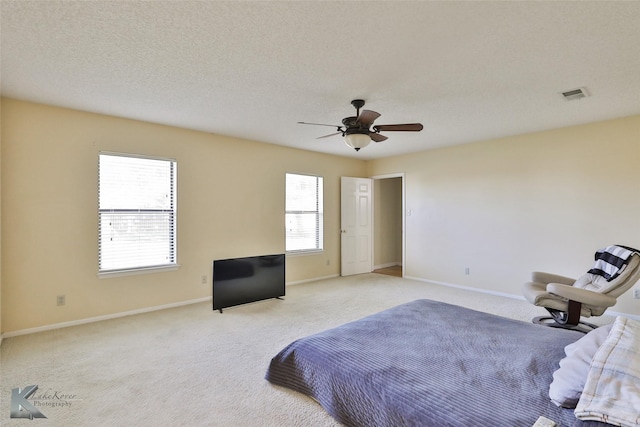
<point>319,124</point>
<point>367,117</point>
<point>377,137</point>
<point>331,134</point>
<point>410,127</point>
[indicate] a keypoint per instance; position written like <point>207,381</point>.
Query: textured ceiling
<point>469,71</point>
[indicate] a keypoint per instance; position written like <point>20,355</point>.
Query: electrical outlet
<point>60,300</point>
<point>467,271</point>
<point>636,293</point>
<point>204,280</point>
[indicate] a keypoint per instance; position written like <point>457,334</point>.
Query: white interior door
<point>356,225</point>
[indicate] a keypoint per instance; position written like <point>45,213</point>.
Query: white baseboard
<point>101,318</point>
<point>506,295</point>
<point>204,299</point>
<point>617,313</point>
<point>315,279</point>
<point>130,313</point>
<point>386,265</point>
<point>467,288</point>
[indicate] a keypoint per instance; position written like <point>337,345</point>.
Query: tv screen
<point>242,280</point>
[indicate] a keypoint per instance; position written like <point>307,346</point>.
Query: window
<point>304,213</point>
<point>137,213</point>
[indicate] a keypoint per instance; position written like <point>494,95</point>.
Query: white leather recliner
<point>567,299</point>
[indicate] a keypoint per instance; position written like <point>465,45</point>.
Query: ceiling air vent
<point>572,95</point>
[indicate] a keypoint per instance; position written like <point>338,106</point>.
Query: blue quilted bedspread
<point>427,363</point>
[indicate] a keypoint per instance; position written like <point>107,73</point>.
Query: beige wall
<point>1,330</point>
<point>230,204</point>
<point>506,207</point>
<point>502,208</point>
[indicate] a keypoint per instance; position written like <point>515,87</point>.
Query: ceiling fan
<point>357,130</point>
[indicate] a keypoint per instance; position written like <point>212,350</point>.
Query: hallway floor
<point>396,271</point>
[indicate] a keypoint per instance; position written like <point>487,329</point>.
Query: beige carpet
<point>191,366</point>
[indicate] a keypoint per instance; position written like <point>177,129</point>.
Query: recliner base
<point>550,321</point>
<point>569,319</point>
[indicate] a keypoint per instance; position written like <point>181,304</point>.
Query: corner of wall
<point>0,221</point>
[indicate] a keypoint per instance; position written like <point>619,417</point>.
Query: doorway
<point>388,225</point>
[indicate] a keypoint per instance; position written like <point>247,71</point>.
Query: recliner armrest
<point>541,277</point>
<point>581,295</point>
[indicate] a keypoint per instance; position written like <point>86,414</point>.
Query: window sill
<point>303,253</point>
<point>137,271</point>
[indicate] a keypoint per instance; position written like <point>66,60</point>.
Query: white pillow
<point>568,381</point>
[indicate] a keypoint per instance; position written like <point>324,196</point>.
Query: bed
<point>428,363</point>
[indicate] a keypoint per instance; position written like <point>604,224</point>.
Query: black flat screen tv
<point>242,280</point>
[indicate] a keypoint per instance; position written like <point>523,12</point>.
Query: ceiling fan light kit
<point>357,131</point>
<point>357,140</point>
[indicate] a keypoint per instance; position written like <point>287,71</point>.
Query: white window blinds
<point>137,212</point>
<point>304,213</point>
